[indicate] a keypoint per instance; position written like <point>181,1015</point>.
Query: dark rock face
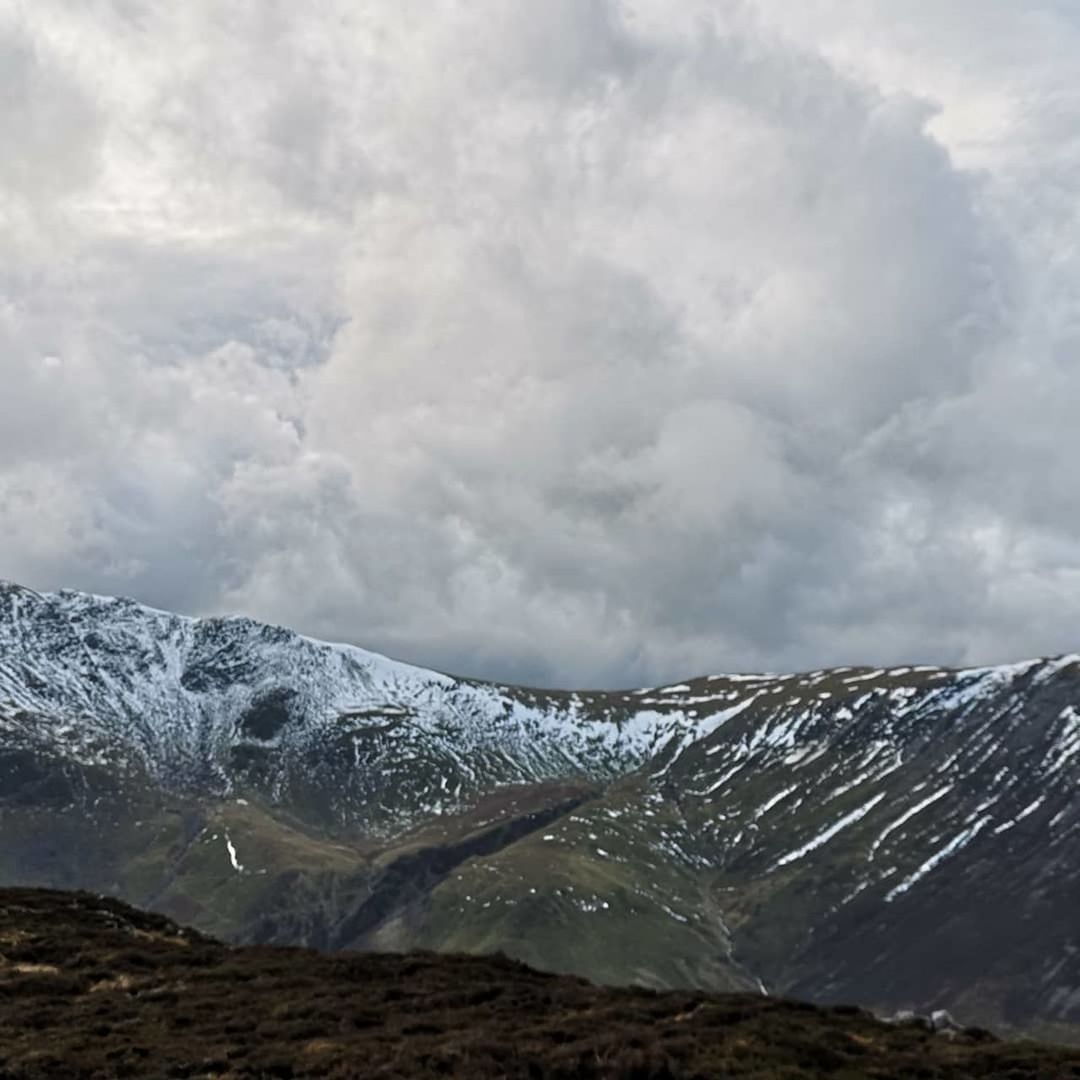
<point>908,838</point>
<point>268,715</point>
<point>91,987</point>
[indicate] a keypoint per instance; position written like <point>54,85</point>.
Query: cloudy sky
<point>586,342</point>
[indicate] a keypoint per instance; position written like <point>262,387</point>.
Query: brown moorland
<point>90,987</point>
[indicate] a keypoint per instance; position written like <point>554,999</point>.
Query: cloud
<point>583,342</point>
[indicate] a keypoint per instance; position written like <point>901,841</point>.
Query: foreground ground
<point>92,988</point>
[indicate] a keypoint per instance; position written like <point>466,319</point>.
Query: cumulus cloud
<point>586,342</point>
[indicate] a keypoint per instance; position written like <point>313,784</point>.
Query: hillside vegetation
<point>91,988</point>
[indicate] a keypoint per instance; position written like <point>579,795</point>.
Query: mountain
<point>903,838</point>
<point>92,988</point>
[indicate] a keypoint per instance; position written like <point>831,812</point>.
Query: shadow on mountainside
<point>92,988</point>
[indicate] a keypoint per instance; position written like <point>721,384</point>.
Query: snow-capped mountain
<point>901,838</point>
<point>216,706</point>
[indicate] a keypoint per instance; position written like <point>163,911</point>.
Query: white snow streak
<point>831,831</point>
<point>236,865</point>
<point>954,845</point>
<point>1026,812</point>
<point>905,817</point>
<point>778,797</point>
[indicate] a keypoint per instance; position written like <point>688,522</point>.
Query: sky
<point>582,343</point>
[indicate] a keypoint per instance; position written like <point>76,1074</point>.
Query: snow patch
<point>236,864</point>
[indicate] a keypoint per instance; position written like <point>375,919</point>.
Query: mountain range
<point>904,838</point>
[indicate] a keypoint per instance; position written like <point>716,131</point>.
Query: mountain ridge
<point>821,833</point>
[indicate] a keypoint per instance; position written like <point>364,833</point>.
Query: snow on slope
<point>849,814</point>
<point>219,705</point>
<point>184,693</point>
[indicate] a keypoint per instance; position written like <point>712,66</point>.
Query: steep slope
<point>906,838</point>
<point>344,736</point>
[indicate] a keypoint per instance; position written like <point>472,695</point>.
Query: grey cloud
<point>49,124</point>
<point>576,342</point>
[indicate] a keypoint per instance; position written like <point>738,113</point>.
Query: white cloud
<point>581,342</point>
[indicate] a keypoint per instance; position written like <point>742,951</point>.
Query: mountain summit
<point>903,838</point>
